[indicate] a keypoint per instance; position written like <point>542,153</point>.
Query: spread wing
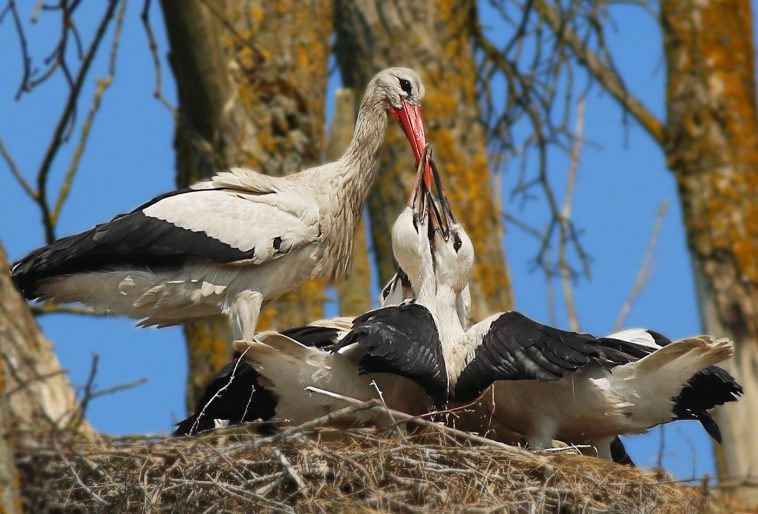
<point>510,346</point>
<point>402,340</point>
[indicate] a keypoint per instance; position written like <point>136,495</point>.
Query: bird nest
<point>313,468</point>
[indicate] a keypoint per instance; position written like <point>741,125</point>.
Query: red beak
<point>411,119</point>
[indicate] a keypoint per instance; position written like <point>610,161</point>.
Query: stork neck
<point>367,135</point>
<point>441,302</point>
<point>350,179</point>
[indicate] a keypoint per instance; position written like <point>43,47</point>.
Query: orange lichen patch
<point>713,129</point>
<point>297,308</point>
<point>278,55</point>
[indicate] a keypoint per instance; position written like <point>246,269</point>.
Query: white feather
<point>288,367</point>
<point>244,221</point>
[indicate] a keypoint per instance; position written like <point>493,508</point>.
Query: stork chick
<point>548,383</point>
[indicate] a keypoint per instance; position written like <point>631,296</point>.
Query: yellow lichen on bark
<point>713,132</point>
<point>208,348</point>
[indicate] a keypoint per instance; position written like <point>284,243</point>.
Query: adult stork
<point>548,383</point>
<point>232,243</point>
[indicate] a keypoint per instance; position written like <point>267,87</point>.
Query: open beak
<point>420,193</point>
<point>411,119</point>
<point>440,216</point>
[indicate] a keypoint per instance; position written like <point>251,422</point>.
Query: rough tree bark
<point>9,498</point>
<point>712,146</point>
<point>251,78</point>
<point>38,392</point>
<point>432,37</point>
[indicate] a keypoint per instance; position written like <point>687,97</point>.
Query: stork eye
<point>457,243</point>
<point>406,85</point>
<point>385,293</point>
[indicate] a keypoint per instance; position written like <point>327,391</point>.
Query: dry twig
<point>646,268</point>
<point>330,470</point>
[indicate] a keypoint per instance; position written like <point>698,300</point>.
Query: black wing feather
<point>707,389</point>
<point>402,340</point>
<point>235,399</point>
<point>318,337</point>
<point>518,348</point>
<point>131,239</point>
<point>244,399</point>
<point>619,454</point>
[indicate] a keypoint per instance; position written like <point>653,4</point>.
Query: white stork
<point>548,383</point>
<point>230,244</point>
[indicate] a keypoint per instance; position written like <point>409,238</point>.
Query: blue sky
<point>130,158</point>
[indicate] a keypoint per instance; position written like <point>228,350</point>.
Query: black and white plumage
<point>228,245</point>
<point>709,388</point>
<point>549,383</point>
<point>363,364</point>
<point>236,393</point>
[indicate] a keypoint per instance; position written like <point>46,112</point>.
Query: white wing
<point>264,226</point>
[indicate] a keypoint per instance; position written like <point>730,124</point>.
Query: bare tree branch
<point>532,85</point>
<point>26,186</point>
<point>605,75</point>
<point>563,266</point>
<point>102,86</point>
<point>645,271</point>
<point>54,308</point>
<point>153,46</point>
<point>89,392</point>
<point>65,118</point>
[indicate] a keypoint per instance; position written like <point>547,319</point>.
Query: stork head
<point>402,91</point>
<point>397,290</point>
<point>409,233</point>
<point>428,241</point>
<point>449,245</point>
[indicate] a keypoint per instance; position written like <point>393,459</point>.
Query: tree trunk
<point>251,78</point>
<point>9,499</point>
<point>712,146</point>
<point>38,392</point>
<point>432,37</point>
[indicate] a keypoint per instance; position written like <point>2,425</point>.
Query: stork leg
<point>541,436</point>
<point>603,448</point>
<point>245,310</point>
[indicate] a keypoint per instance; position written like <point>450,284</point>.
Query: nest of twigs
<point>313,468</point>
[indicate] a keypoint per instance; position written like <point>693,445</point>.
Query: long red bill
<point>411,119</point>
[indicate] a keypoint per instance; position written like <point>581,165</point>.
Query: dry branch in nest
<point>319,469</point>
